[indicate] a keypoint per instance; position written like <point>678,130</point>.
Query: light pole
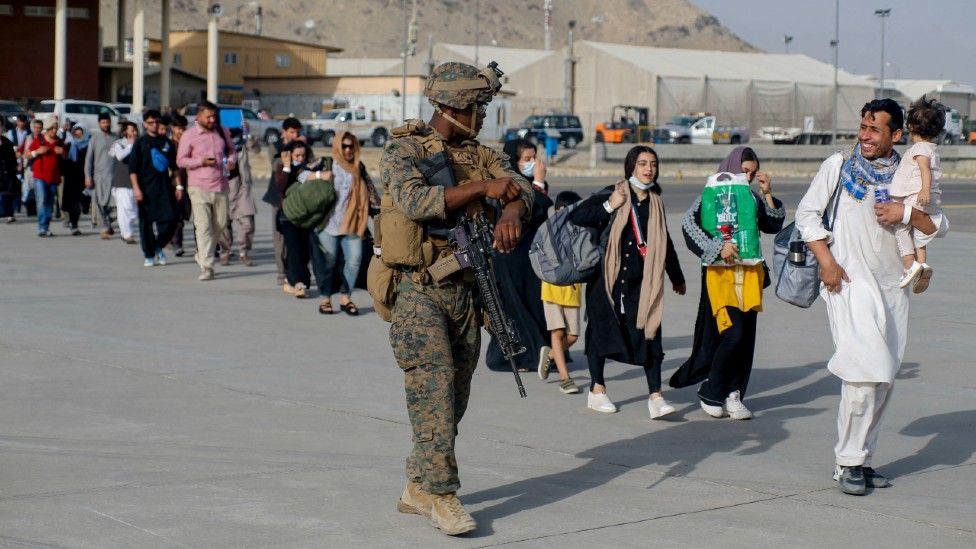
<point>786,42</point>
<point>477,29</point>
<point>835,43</point>
<point>568,75</point>
<point>409,41</point>
<point>883,14</point>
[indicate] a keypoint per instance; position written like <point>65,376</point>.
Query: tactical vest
<point>411,245</point>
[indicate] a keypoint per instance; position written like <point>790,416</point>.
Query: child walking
<point>916,184</point>
<point>561,305</point>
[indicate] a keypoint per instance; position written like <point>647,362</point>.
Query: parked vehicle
<point>627,124</point>
<point>125,109</point>
<point>359,122</point>
<point>730,135</point>
<point>686,129</point>
<point>568,125</point>
<point>9,110</point>
<point>268,130</point>
<point>80,111</point>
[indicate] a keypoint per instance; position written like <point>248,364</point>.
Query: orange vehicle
<point>628,124</point>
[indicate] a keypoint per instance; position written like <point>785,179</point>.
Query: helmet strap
<point>470,133</point>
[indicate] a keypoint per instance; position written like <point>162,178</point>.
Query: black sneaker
<point>851,480</point>
<point>874,479</point>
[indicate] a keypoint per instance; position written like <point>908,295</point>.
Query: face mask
<point>638,185</point>
<point>529,168</point>
<point>297,162</point>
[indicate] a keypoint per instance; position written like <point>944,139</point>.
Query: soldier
<point>435,330</point>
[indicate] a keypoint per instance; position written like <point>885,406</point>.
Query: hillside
<point>374,28</point>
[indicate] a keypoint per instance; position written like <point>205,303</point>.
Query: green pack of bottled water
<point>728,210</point>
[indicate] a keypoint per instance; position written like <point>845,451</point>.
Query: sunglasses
<point>350,146</point>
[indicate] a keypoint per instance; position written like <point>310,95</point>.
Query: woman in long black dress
<point>626,300</point>
<point>74,177</point>
<point>520,288</point>
<point>723,361</point>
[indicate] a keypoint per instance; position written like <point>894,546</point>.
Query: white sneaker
<point>911,274</point>
<point>658,407</point>
<point>543,366</point>
<point>735,407</point>
<point>600,402</point>
<point>714,411</point>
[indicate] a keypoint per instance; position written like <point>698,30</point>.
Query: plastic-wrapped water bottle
<point>881,195</point>
<point>226,171</point>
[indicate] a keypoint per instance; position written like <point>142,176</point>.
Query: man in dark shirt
<point>155,184</point>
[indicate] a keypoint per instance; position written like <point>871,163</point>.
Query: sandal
<point>325,308</point>
<point>922,282</point>
<point>350,309</point>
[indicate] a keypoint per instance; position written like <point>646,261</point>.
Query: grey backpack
<point>564,253</point>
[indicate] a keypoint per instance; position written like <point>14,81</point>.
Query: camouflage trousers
<point>436,340</point>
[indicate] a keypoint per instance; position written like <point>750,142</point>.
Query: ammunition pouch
<point>401,236</point>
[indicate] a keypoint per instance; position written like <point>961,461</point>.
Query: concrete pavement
<point>142,408</point>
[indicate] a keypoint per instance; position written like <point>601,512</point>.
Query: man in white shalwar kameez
<point>860,269</point>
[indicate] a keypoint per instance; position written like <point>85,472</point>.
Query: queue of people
<point>866,271</point>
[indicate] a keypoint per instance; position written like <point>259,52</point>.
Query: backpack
<point>563,253</point>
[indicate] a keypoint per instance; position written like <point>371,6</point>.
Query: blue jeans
<point>44,193</point>
<point>352,257</point>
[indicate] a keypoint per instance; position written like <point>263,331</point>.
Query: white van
<point>80,111</point>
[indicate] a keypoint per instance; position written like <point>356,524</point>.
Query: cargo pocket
<point>422,434</point>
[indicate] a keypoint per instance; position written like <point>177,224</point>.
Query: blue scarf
<point>77,144</point>
<point>858,173</point>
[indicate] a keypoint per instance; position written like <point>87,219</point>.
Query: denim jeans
<point>352,257</point>
<point>45,194</point>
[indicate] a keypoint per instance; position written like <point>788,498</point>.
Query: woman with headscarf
<point>74,176</point>
<point>519,286</point>
<point>731,299</point>
<point>345,226</point>
<point>625,301</point>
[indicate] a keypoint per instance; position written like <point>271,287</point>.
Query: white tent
<point>949,93</point>
<point>749,89</point>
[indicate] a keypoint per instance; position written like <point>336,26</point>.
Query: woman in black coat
<point>9,183</point>
<point>624,315</point>
<point>520,288</point>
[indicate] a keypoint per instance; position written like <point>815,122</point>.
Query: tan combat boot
<point>415,500</point>
<point>449,515</point>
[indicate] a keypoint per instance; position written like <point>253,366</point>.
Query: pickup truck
<point>327,125</point>
<point>686,130</point>
<point>730,135</point>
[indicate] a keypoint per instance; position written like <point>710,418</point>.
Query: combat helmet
<point>462,86</point>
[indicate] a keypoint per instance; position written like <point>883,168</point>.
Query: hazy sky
<point>930,39</point>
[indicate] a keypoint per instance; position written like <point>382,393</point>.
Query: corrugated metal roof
<point>377,66</point>
<point>729,65</point>
<point>509,60</point>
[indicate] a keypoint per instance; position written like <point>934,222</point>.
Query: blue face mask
<point>638,185</point>
<point>529,168</point>
<point>297,162</point>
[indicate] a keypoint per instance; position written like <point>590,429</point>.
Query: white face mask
<point>638,185</point>
<point>529,168</point>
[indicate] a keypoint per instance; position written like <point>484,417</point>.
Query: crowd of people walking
<point>172,172</point>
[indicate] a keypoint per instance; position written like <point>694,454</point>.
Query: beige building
<point>243,56</point>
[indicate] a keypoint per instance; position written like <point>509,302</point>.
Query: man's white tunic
<point>869,316</point>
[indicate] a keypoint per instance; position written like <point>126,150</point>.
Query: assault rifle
<point>473,238</point>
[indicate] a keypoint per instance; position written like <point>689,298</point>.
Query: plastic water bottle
<point>226,171</point>
<point>881,195</point>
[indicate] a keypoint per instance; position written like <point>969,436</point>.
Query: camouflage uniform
<point>435,330</point>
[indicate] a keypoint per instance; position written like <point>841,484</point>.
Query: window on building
<point>177,59</point>
<point>283,60</point>
<point>360,115</point>
<point>49,11</point>
<point>6,9</point>
<point>230,58</point>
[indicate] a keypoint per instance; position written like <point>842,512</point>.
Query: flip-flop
<point>350,309</point>
<point>922,283</point>
<point>325,308</point>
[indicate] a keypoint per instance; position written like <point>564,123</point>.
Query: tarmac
<point>142,408</point>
